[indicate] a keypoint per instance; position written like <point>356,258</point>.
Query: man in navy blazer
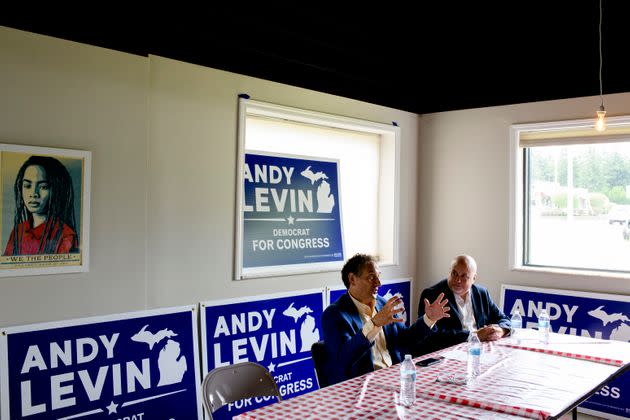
<point>363,332</point>
<point>471,306</point>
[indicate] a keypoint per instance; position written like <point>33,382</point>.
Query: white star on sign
<point>111,408</point>
<point>291,220</point>
<point>271,367</point>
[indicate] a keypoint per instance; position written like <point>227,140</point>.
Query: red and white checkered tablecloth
<point>359,398</point>
<point>600,351</point>
<point>514,383</point>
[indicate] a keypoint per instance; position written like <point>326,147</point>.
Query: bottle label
<point>475,351</point>
<point>517,324</point>
<point>408,375</point>
<point>543,323</point>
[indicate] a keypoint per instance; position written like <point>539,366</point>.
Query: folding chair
<point>227,384</point>
<point>318,353</point>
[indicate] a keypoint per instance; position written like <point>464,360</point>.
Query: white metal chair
<point>227,384</point>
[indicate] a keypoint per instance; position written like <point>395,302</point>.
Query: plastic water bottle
<point>544,326</point>
<point>407,382</point>
<point>474,357</point>
<point>517,324</point>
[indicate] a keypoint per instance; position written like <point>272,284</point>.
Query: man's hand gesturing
<point>388,312</point>
<point>438,309</point>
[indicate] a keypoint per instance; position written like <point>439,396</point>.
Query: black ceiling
<point>423,57</point>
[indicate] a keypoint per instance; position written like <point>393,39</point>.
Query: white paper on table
<point>529,335</point>
<point>462,356</point>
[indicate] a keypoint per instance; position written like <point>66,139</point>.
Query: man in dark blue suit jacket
<point>463,295</point>
<point>363,332</point>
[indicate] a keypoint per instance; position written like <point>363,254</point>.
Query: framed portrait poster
<point>289,215</point>
<point>45,217</point>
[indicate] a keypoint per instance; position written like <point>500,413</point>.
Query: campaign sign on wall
<point>583,314</point>
<point>276,331</point>
<point>133,366</point>
<point>387,290</point>
<point>291,214</point>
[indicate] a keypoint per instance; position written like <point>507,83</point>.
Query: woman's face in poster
<point>35,189</point>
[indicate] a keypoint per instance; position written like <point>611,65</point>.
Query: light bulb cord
<point>601,95</point>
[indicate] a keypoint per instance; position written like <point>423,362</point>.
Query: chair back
<point>318,353</point>
<point>227,384</point>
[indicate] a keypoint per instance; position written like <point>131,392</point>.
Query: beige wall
<point>163,140</point>
<point>61,94</point>
<point>192,168</point>
<point>464,187</point>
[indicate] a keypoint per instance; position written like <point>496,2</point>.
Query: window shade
<point>582,135</point>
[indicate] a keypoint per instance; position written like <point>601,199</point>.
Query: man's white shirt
<point>466,313</point>
<point>380,354</point>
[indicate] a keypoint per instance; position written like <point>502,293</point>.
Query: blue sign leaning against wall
<point>137,366</point>
<point>290,212</point>
<point>275,331</point>
<point>583,314</point>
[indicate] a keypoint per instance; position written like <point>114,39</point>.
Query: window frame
<point>390,134</point>
<point>518,228</point>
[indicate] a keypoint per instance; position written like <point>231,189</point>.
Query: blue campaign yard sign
<point>276,331</point>
<point>584,314</point>
<point>291,212</point>
<point>387,290</point>
<point>135,366</point>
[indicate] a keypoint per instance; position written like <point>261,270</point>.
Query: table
<point>519,378</point>
<point>363,398</point>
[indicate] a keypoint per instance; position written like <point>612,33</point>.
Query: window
<point>571,196</point>
<point>367,156</point>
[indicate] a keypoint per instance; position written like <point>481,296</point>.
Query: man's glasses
<point>463,276</point>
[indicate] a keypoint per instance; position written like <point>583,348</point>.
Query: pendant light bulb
<point>600,125</point>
